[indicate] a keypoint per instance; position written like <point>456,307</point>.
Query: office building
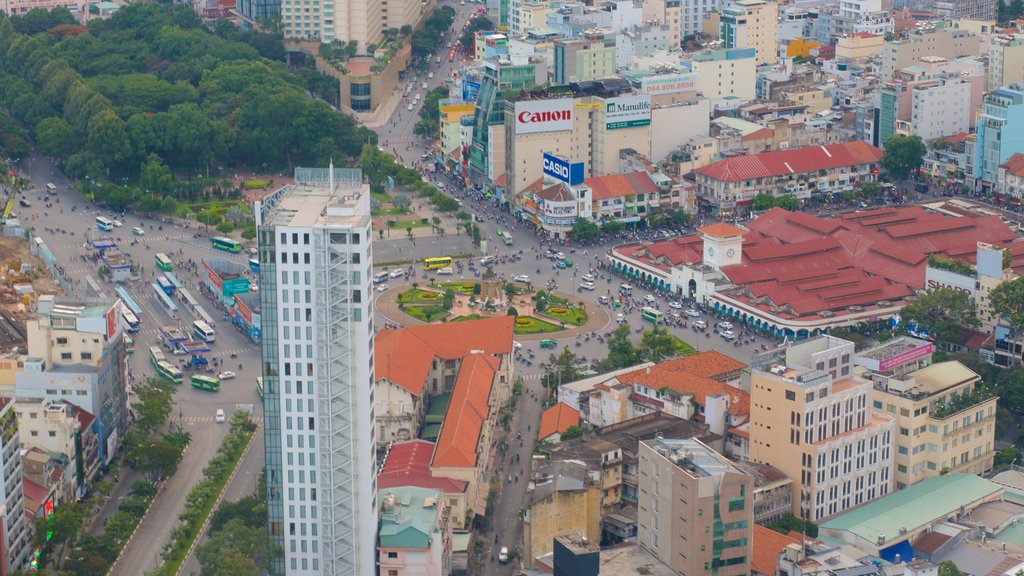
<point>1006,61</point>
<point>966,9</point>
<point>1000,134</point>
<point>945,43</point>
<point>812,418</point>
<point>945,417</point>
<point>683,17</point>
<point>588,58</point>
<point>726,73</point>
<point>938,109</point>
<point>76,353</point>
<point>751,24</point>
<point>255,12</point>
<point>324,21</point>
<point>695,509</point>
<point>16,538</point>
<point>315,296</point>
<point>487,160</point>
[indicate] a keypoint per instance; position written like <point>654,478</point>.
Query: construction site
<point>23,276</point>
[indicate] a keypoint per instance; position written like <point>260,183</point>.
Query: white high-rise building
<point>329,20</point>
<point>315,295</point>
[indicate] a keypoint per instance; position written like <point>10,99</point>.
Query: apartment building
<point>694,509</point>
<point>945,417</point>
<point>16,534</point>
<point>562,499</point>
<point>317,321</point>
<point>751,24</point>
<point>681,16</point>
<point>1010,183</point>
<point>581,59</point>
<point>1006,61</point>
<point>61,428</point>
<point>76,354</point>
<point>945,43</point>
<point>811,417</point>
<point>966,9</point>
<point>938,110</point>
<point>415,533</point>
<point>999,135</point>
<point>726,73</point>
<point>324,21</point>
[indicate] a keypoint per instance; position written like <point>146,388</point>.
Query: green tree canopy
<point>903,155</point>
<point>943,312</point>
<point>621,351</point>
<point>657,344</point>
<point>1008,301</point>
<point>585,229</point>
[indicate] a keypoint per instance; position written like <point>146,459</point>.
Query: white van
<point>380,277</point>
<point>487,260</point>
<point>447,271</point>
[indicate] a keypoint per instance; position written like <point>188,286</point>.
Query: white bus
<point>203,331</point>
<point>104,224</point>
<point>50,188</point>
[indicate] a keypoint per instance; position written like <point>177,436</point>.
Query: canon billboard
<point>536,116</point>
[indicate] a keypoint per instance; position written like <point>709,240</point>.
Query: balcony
<point>961,402</point>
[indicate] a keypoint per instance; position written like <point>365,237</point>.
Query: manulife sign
<point>627,112</point>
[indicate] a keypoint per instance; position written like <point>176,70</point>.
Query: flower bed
<point>426,313</point>
<point>574,316</point>
<point>414,295</point>
<point>531,325</point>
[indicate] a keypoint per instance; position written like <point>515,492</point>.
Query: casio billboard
<point>561,170</point>
<point>537,116</point>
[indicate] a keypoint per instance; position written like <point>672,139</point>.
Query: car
<point>409,107</point>
<point>24,203</point>
<point>440,185</point>
<point>487,260</point>
<point>728,335</point>
<point>138,231</point>
<point>693,313</point>
<point>382,288</point>
<point>587,286</point>
<point>522,278</point>
<point>424,85</point>
<point>589,277</point>
<point>226,375</point>
<point>431,75</point>
<point>118,224</point>
<point>220,417</point>
<point>625,288</point>
<point>517,345</point>
<point>675,305</point>
<point>503,555</point>
<point>700,324</point>
<point>179,352</point>
<point>649,299</point>
<point>446,271</point>
<point>559,255</point>
<point>438,60</point>
<point>396,273</point>
<point>602,300</point>
<point>619,318</point>
<point>724,325</point>
<point>560,265</point>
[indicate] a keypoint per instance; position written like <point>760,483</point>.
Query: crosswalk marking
<point>531,376</point>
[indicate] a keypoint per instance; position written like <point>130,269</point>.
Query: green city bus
<point>163,262</point>
<point>226,244</point>
<point>208,383</point>
<point>650,314</point>
<point>437,263</point>
<point>259,386</point>
<point>156,355</point>
<point>167,371</point>
<point>129,344</point>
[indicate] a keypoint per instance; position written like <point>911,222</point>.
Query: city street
<point>196,408</point>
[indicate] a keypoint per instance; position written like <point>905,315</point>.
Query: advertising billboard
<point>563,171</point>
<point>537,116</point>
<point>470,91</point>
<point>939,278</point>
<point>904,357</point>
<point>669,84</point>
<point>627,112</point>
<point>112,317</point>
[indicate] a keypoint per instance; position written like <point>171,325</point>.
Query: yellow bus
<point>437,263</point>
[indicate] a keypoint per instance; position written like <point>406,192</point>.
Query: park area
<point>536,312</point>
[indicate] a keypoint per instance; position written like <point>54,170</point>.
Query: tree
<point>1006,456</point>
<point>563,369</point>
<point>235,549</point>
<point>402,202</point>
<point>1008,301</point>
<point>903,155</point>
<point>788,202</point>
<point>571,433</point>
<point>408,230</point>
<point>790,523</point>
<point>869,189</point>
<point>477,24</point>
<point>612,226</point>
<point>943,312</point>
<point>449,299</point>
<point>949,568</point>
<point>657,344</point>
<point>763,201</point>
<point>585,229</point>
<point>621,351</point>
<point>155,176</point>
<point>55,137</point>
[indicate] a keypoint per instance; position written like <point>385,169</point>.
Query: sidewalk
<point>126,477</point>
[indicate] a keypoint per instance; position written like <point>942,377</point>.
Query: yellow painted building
<point>859,46</point>
<point>945,417</point>
<point>451,124</point>
<point>562,500</point>
<point>799,47</point>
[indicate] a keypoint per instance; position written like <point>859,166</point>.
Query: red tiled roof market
<point>618,185</point>
<point>795,161</point>
<point>467,411</point>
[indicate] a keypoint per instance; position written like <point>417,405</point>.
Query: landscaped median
<point>204,495</point>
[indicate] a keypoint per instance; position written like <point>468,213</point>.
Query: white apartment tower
<point>329,20</point>
<point>315,287</point>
